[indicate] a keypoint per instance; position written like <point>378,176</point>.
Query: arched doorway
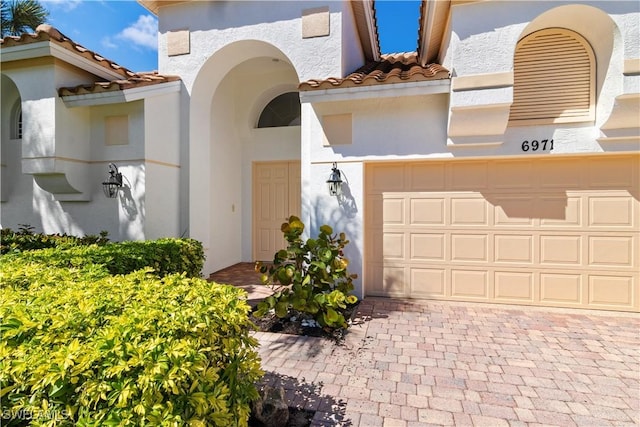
<point>228,148</point>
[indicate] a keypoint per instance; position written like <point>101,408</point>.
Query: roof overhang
<point>154,6</point>
<point>121,96</point>
<point>365,17</point>
<point>46,48</point>
<point>434,18</point>
<point>392,90</point>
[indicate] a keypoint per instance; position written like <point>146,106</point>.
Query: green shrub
<point>164,256</point>
<point>125,350</point>
<point>309,277</point>
<point>25,240</point>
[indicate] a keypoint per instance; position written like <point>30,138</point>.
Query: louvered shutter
<point>554,79</point>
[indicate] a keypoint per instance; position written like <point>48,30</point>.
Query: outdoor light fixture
<point>335,181</point>
<point>111,185</point>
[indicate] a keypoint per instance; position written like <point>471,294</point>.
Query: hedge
<point>81,347</point>
<point>164,256</point>
<point>25,239</point>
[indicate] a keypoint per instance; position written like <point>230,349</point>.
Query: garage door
<point>555,232</point>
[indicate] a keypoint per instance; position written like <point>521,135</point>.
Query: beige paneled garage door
<point>544,231</point>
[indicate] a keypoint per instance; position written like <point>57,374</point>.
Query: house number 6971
<point>535,145</point>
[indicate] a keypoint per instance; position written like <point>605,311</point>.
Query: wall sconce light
<point>113,182</point>
<point>335,181</point>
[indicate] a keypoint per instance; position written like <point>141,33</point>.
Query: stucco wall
<point>412,127</point>
<point>214,25</point>
<point>482,42</point>
<point>57,168</point>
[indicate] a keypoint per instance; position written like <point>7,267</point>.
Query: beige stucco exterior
<point>445,195</point>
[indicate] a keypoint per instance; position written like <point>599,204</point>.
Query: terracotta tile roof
<point>136,80</point>
<point>392,68</point>
<point>129,79</point>
<point>46,32</point>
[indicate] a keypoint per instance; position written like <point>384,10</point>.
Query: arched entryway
<point>230,152</point>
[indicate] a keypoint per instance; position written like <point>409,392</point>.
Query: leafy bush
<point>164,256</point>
<point>309,277</point>
<point>25,239</point>
<point>124,350</point>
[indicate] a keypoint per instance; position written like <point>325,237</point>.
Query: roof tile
<point>392,68</point>
<point>129,79</point>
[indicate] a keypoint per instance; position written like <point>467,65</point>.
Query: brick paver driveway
<point>437,363</point>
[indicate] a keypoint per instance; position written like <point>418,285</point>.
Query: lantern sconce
<point>113,182</point>
<point>335,181</point>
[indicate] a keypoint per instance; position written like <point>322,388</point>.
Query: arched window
<point>554,79</point>
<point>16,121</point>
<point>283,110</point>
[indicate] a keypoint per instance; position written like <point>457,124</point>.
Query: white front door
<point>276,196</point>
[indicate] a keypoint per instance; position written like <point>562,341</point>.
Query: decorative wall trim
<point>482,81</point>
<point>178,42</point>
<point>631,67</point>
<point>315,22</point>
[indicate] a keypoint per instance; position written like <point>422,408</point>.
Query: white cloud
<point>144,32</point>
<point>66,5</point>
<point>108,43</point>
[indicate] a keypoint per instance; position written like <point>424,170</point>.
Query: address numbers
<point>535,145</point>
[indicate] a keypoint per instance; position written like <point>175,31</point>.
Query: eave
<point>120,96</point>
<point>48,48</point>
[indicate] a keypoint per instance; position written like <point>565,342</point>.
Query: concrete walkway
<point>411,363</point>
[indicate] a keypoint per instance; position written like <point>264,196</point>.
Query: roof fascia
<point>48,48</point>
<point>431,29</point>
<point>121,96</point>
<point>392,90</point>
<point>153,6</point>
<point>364,14</point>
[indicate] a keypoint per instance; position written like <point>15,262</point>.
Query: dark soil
<point>287,325</point>
<point>297,418</point>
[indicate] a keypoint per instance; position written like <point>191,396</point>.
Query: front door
<point>276,196</point>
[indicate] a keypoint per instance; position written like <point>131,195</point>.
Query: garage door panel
<point>428,282</point>
<point>555,249</point>
<point>514,287</point>
<point>540,231</point>
<point>469,211</point>
<point>393,246</point>
<point>612,212</point>
<point>561,289</point>
<point>470,284</point>
<point>611,291</point>
<point>612,251</point>
<point>393,211</point>
<point>427,211</point>
<point>393,281</point>
<point>560,211</point>
<point>428,247</point>
<point>513,248</point>
<point>469,247</point>
<point>510,211</point>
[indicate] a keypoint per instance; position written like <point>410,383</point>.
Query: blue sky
<point>125,32</point>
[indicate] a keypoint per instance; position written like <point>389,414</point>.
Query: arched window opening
<point>554,79</point>
<point>16,121</point>
<point>283,110</point>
